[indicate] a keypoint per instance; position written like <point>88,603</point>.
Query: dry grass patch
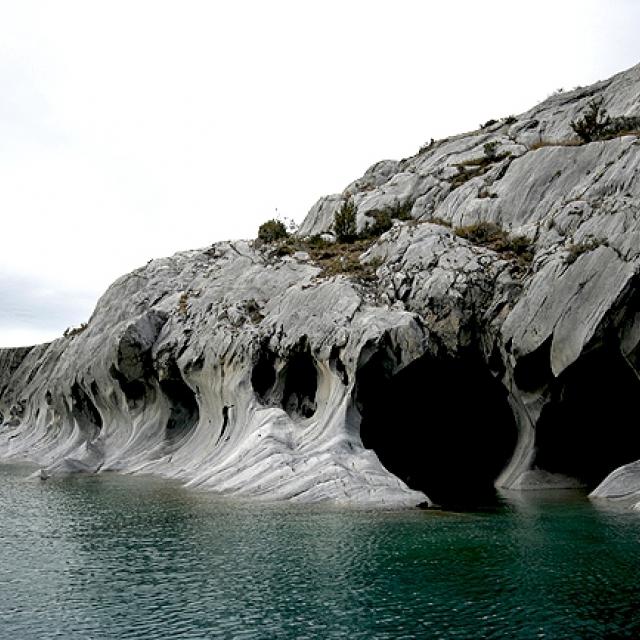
<point>574,251</point>
<point>334,258</point>
<point>490,235</point>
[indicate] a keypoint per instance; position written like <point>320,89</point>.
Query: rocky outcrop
<point>621,485</point>
<point>453,366</point>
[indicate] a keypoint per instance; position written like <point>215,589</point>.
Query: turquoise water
<point>115,557</point>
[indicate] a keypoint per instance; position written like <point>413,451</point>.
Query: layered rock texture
<point>434,365</point>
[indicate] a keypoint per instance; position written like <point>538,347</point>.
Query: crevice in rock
<point>300,384</point>
<point>133,390</point>
<point>196,365</point>
<point>338,366</point>
<point>225,417</point>
<point>85,412</point>
<point>133,370</point>
<point>184,411</point>
<point>443,425</point>
<point>263,375</point>
<point>496,363</point>
<point>587,428</point>
<point>225,421</point>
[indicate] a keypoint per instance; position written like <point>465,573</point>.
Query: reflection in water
<point>117,557</point>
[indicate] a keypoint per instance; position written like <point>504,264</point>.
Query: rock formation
<point>490,337</point>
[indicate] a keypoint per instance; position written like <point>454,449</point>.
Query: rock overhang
<point>187,331</point>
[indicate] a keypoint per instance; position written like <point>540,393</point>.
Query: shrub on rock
<point>490,235</point>
<point>593,123</point>
<point>272,230</point>
<point>344,222</point>
<point>597,124</point>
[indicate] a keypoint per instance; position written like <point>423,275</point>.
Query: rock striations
<point>490,337</point>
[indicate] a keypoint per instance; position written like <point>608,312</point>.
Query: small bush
<point>426,146</point>
<point>490,149</point>
<point>593,123</point>
<point>283,249</point>
<point>622,125</point>
<point>597,124</point>
<point>69,332</point>
<point>183,303</point>
<point>482,233</point>
<point>464,175</point>
<point>510,120</point>
<point>401,211</point>
<point>253,311</point>
<point>344,222</point>
<point>520,246</point>
<point>574,251</point>
<point>382,222</point>
<point>488,123</point>
<point>272,230</point>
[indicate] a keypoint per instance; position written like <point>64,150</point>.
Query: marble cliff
<point>490,337</point>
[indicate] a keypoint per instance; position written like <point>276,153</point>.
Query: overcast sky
<point>132,130</point>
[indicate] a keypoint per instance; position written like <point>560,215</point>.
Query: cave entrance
<point>263,375</point>
<point>443,426</point>
<point>588,428</point>
<point>293,387</point>
<point>184,412</point>
<point>300,385</point>
<point>85,411</point>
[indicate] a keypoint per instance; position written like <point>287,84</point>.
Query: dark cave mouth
<point>85,411</point>
<point>264,375</point>
<point>442,426</point>
<point>134,390</point>
<point>184,411</point>
<point>587,429</point>
<point>300,385</point>
<point>292,386</point>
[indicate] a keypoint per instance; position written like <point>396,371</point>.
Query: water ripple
<point>112,557</point>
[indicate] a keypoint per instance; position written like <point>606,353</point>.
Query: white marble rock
<point>160,381</point>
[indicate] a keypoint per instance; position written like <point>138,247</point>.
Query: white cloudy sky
<point>131,130</point>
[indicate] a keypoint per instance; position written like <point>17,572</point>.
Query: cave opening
<point>300,385</point>
<point>263,375</point>
<point>134,391</point>
<point>587,429</point>
<point>338,366</point>
<point>85,412</point>
<point>443,426</point>
<point>184,413</point>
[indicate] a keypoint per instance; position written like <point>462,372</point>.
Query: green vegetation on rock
<point>490,235</point>
<point>344,222</point>
<point>272,230</point>
<point>596,124</point>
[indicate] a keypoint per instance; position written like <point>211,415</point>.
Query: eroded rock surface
<point>456,367</point>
